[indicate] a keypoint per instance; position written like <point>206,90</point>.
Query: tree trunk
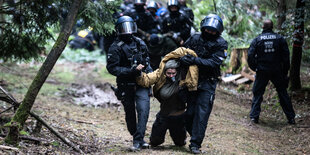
<point>295,83</point>
<point>215,10</point>
<point>281,13</point>
<point>22,112</point>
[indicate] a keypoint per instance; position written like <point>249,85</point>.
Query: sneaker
<point>195,150</point>
<point>145,145</point>
<point>254,120</point>
<point>135,147</point>
<point>291,121</point>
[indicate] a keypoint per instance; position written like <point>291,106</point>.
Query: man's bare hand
<point>139,67</point>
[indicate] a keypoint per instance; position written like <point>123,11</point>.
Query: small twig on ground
<point>7,109</point>
<point>3,147</point>
<point>81,121</point>
<point>64,139</point>
<point>36,140</point>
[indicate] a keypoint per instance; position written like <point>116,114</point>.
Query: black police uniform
<point>158,50</point>
<point>188,11</point>
<point>144,20</point>
<point>268,55</point>
<point>177,23</point>
<point>211,54</point>
<point>126,7</point>
<point>122,58</point>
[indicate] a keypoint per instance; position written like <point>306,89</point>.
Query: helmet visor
<point>127,28</point>
<point>172,2</point>
<point>139,1</point>
<point>212,24</point>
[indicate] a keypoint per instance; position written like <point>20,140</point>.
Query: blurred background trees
<point>26,26</point>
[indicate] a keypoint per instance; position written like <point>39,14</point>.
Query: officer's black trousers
<point>279,81</point>
<point>136,102</point>
<point>199,108</point>
<point>175,125</point>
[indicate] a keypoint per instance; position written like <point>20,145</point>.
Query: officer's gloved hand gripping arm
<point>114,66</point>
<point>215,60</point>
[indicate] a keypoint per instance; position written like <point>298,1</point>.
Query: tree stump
<point>238,59</point>
<point>14,132</point>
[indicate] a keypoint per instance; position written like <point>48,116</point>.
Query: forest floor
<point>100,128</point>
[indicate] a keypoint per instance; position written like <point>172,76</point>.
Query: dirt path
<point>103,130</point>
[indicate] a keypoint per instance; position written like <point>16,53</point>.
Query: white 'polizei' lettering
<point>265,37</point>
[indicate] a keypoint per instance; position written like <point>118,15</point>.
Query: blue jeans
<point>136,104</point>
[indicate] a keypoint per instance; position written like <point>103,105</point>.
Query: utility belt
<point>122,88</point>
<point>120,92</point>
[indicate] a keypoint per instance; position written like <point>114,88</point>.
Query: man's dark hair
<point>268,24</point>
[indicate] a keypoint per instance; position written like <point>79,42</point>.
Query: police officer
<point>268,55</point>
<point>145,22</point>
<point>188,11</point>
<point>127,57</point>
<point>177,23</point>
<point>159,46</point>
<point>83,39</point>
<point>126,6</point>
<point>210,48</point>
<point>152,7</point>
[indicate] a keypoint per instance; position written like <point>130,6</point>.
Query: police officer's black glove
<point>135,71</point>
<point>187,60</point>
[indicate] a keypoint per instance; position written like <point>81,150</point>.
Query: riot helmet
<point>139,5</point>
<point>125,25</point>
<point>152,7</point>
<point>212,22</point>
<point>172,3</point>
<point>152,4</point>
<point>155,39</point>
<point>140,2</point>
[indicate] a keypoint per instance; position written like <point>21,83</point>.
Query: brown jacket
<point>158,77</point>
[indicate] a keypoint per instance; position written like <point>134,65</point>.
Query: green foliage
<point>99,15</point>
<point>24,29</point>
<point>23,132</point>
<point>82,55</point>
<point>77,55</point>
<point>66,77</point>
<point>105,74</point>
<point>49,89</point>
<point>55,143</point>
<point>24,25</point>
<point>201,10</point>
<point>239,27</point>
